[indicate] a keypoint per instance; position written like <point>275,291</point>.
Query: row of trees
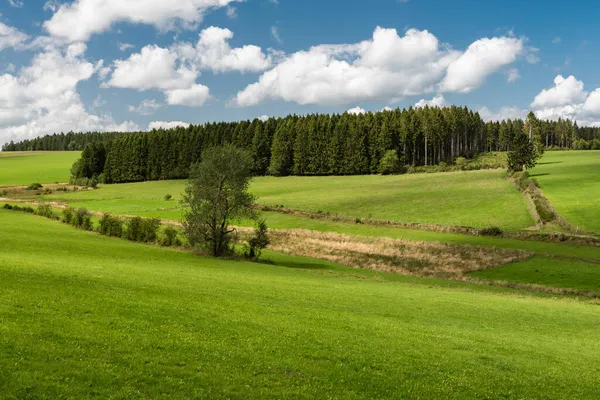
<point>318,144</point>
<point>62,141</point>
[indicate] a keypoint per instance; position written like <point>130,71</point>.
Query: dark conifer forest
<point>319,144</point>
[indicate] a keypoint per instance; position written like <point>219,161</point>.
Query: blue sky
<point>108,64</point>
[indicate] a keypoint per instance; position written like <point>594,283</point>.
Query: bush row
<point>530,186</point>
<point>144,230</point>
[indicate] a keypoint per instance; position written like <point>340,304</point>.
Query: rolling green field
<point>550,272</point>
<point>24,168</point>
<point>571,181</point>
<point>87,316</point>
<point>478,198</point>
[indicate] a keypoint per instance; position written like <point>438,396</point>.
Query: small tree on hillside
<point>216,194</point>
<point>259,241</point>
<point>390,163</point>
<point>523,154</point>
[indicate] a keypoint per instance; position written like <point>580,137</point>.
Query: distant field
<point>24,168</point>
<point>477,198</point>
<point>552,272</point>
<point>87,316</point>
<point>571,181</point>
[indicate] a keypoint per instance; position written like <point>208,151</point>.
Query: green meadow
<point>571,181</point>
<point>477,199</point>
<point>24,168</point>
<point>88,316</point>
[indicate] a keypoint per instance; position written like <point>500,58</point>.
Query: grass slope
<point>86,316</point>
<point>571,181</point>
<point>557,273</point>
<point>477,198</point>
<point>24,168</point>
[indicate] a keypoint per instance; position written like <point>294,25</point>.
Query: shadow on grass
<point>549,162</point>
<point>534,175</point>
<point>300,265</point>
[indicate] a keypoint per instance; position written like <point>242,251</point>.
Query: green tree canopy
<point>216,194</point>
<point>523,154</point>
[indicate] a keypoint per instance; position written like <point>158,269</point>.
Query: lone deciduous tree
<point>216,194</point>
<point>523,154</point>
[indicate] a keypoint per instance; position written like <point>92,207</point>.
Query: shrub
<point>150,229</point>
<point>460,162</point>
<point>134,227</point>
<point>390,163</point>
<point>68,215</point>
<point>543,209</point>
<point>82,219</point>
<point>44,210</point>
<point>259,241</point>
<point>34,186</point>
<point>93,183</point>
<point>110,226</point>
<point>47,191</point>
<point>26,209</point>
<point>491,231</point>
<point>4,193</point>
<point>62,189</point>
<point>169,237</point>
<point>523,180</point>
<point>168,197</point>
<point>142,229</point>
<point>85,182</point>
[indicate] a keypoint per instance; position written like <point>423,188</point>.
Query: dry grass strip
<point>393,255</point>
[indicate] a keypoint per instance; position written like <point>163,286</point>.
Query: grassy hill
<point>571,181</point>
<point>84,315</point>
<point>24,168</point>
<point>477,198</point>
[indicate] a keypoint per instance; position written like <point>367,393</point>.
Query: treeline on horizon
<point>318,144</point>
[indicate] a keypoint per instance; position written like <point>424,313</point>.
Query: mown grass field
<point>550,272</point>
<point>571,181</point>
<point>24,168</point>
<point>477,198</point>
<point>83,315</point>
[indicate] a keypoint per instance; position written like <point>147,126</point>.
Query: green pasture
<point>571,181</point>
<point>87,316</point>
<point>477,198</point>
<point>24,168</point>
<point>551,272</point>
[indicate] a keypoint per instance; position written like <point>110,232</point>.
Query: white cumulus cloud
<point>175,70</point>
<point>166,124</point>
<point>146,107</point>
<point>194,96</point>
<point>386,67</point>
<point>42,97</point>
<point>11,37</point>
<point>513,75</point>
<point>482,58</point>
<point>79,20</point>
<point>503,113</point>
<point>565,91</point>
<point>568,99</point>
<point>214,53</point>
<point>437,101</point>
<point>356,110</point>
<point>153,68</point>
